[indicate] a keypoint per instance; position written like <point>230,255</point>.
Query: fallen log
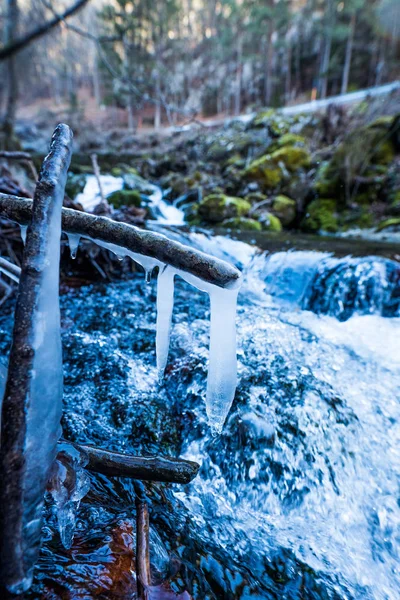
<point>146,243</point>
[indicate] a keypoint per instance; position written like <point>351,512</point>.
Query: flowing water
<point>299,496</point>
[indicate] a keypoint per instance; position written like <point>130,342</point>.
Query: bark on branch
<point>147,243</point>
<point>150,468</point>
<point>21,43</point>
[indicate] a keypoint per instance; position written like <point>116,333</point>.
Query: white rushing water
<point>163,212</point>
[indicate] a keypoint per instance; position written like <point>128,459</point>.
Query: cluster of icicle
<point>222,369</point>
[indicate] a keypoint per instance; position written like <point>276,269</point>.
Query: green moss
<point>276,123</point>
<point>242,224</point>
<point>321,216</point>
<point>75,185</point>
<point>290,139</point>
<point>270,222</point>
<point>264,171</point>
<point>285,209</point>
<point>392,222</point>
<point>117,172</point>
<point>125,198</point>
<point>136,182</point>
<point>292,157</point>
<point>215,208</point>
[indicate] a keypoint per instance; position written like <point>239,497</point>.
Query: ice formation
<point>222,370</point>
<point>23,229</point>
<point>73,241</point>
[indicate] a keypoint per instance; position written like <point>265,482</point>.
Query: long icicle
<point>165,305</point>
<point>222,369</point>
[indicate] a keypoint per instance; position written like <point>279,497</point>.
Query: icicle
<point>23,229</point>
<point>222,368</point>
<point>147,275</point>
<point>165,304</point>
<point>73,241</point>
<point>221,380</point>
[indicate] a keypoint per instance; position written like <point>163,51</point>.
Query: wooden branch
<point>25,156</point>
<point>147,243</point>
<point>9,269</point>
<point>21,43</point>
<point>31,411</point>
<point>151,468</point>
<point>143,574</point>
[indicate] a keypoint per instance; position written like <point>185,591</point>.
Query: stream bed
<point>299,496</point>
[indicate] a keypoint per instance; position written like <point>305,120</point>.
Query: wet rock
<point>285,209</point>
<point>321,215</point>
<point>75,184</point>
<point>242,224</point>
<point>125,198</point>
<point>215,208</point>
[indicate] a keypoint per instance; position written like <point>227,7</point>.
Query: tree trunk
<point>11,30</point>
<point>268,67</point>
<point>238,86</point>
<point>326,56</point>
<point>349,51</point>
<point>288,80</point>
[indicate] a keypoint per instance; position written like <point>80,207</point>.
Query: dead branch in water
<point>143,574</point>
<point>147,243</point>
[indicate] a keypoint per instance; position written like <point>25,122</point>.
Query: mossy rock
<point>321,216</point>
<point>276,123</point>
<point>367,149</point>
<point>229,144</point>
<point>290,139</point>
<point>242,224</point>
<point>292,157</point>
<point>125,198</point>
<point>360,218</point>
<point>75,185</point>
<point>392,222</point>
<point>216,208</point>
<point>265,171</point>
<point>285,209</point>
<point>270,222</point>
<point>136,182</point>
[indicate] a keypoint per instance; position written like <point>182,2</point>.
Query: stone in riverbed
<point>242,224</point>
<point>215,208</point>
<point>125,198</point>
<point>285,209</point>
<point>321,216</point>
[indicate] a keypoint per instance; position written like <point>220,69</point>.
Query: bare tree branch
<point>21,43</point>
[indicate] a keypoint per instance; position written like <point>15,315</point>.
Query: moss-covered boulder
<point>285,209</point>
<point>216,208</point>
<point>272,120</point>
<point>289,139</point>
<point>293,157</point>
<point>356,218</point>
<point>393,222</point>
<point>75,185</point>
<point>242,224</point>
<point>125,198</point>
<point>270,222</point>
<point>321,215</point>
<point>269,170</point>
<point>363,155</point>
<point>265,171</point>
